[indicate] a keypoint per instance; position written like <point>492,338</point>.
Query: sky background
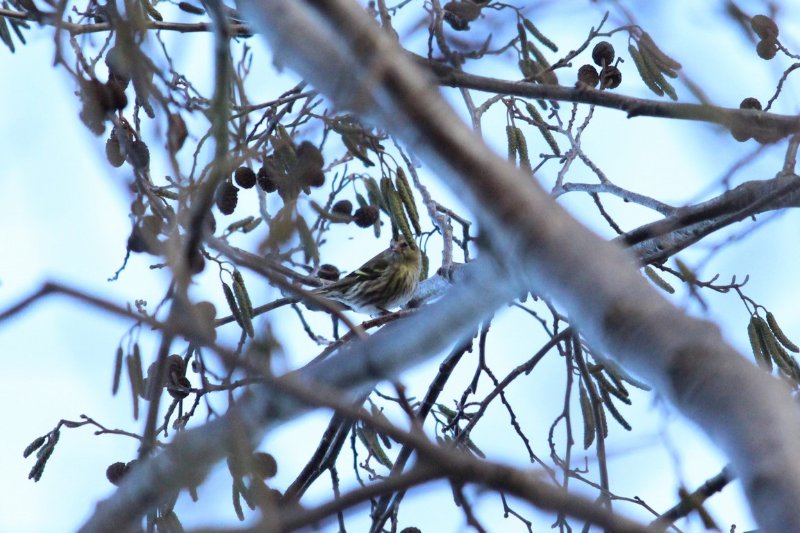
<point>63,214</point>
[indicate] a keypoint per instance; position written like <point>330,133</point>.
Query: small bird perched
<point>387,280</point>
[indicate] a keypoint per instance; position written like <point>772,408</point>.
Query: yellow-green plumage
<point>387,280</point>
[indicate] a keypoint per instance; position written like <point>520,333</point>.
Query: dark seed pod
<point>328,272</point>
<point>750,103</point>
<point>342,207</point>
<point>117,92</point>
<point>95,93</point>
<point>610,78</point>
<point>603,53</point>
<point>182,382</point>
<point>245,177</point>
<point>310,154</point>
<point>313,177</point>
<point>455,22</point>
<point>764,27</point>
<point>139,155</point>
<point>136,241</point>
<point>588,75</point>
<point>197,262</point>
<point>767,48</point>
<point>460,13</point>
<point>176,366</point>
<point>92,120</point>
<point>307,168</point>
<point>266,179</point>
<point>366,216</point>
<point>264,465</point>
<point>97,102</point>
<point>227,197</point>
<point>176,132</point>
<point>115,472</point>
<point>208,313</point>
<point>113,151</point>
<point>144,236</point>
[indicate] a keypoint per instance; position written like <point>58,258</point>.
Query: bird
<point>386,281</point>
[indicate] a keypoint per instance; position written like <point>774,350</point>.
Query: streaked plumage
<point>387,280</point>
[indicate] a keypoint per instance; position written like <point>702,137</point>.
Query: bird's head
<point>407,252</point>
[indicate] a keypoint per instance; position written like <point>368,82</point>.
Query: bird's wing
<point>372,269</point>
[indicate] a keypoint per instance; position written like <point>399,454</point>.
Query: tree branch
<point>657,241</point>
<point>756,122</point>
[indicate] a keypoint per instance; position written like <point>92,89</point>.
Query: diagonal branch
<point>657,241</point>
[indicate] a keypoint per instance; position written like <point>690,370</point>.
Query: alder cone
<point>365,217</point>
<point>227,198</point>
<point>342,207</point>
<point>113,151</point>
<point>245,177</point>
<point>603,53</point>
<point>764,27</point>
<point>588,75</point>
